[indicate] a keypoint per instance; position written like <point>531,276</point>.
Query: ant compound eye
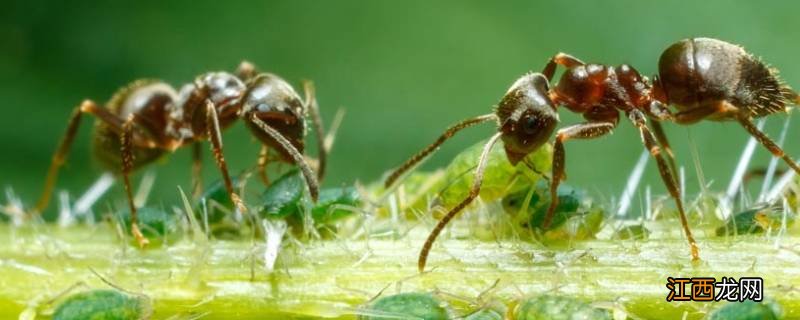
<point>531,125</point>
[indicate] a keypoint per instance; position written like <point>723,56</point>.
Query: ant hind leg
<point>64,147</point>
<point>59,157</point>
<point>649,141</point>
<point>127,167</point>
<point>776,150</point>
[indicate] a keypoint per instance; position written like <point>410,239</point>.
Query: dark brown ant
<point>148,119</point>
<point>703,78</point>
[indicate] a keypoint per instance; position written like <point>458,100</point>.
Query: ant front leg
<point>263,160</point>
<point>127,167</point>
<point>316,120</point>
<point>215,136</point>
<point>586,130</point>
<point>197,169</point>
<point>639,120</point>
<point>563,59</point>
<point>474,191</point>
<point>776,150</point>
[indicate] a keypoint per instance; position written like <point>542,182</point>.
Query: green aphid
<point>283,197</point>
<point>103,305</point>
<point>747,310</point>
<point>485,314</point>
<point>548,307</point>
<point>327,208</point>
<point>500,178</point>
<point>406,306</point>
<point>156,224</point>
<point>570,220</point>
<point>635,232</point>
<point>755,221</point>
<point>218,202</point>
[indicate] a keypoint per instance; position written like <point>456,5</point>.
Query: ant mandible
<point>148,119</point>
<point>703,78</point>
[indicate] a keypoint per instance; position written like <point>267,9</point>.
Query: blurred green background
<point>403,70</point>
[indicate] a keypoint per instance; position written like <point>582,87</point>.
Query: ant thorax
<point>586,86</point>
<point>188,115</point>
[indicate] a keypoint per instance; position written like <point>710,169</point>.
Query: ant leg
<point>215,136</point>
<point>560,58</point>
<point>693,116</point>
<point>586,130</point>
<point>115,123</point>
<point>316,120</point>
<point>767,142</point>
<point>311,179</point>
<point>263,159</point>
<point>197,166</point>
<point>667,176</point>
<point>474,191</point>
<point>661,137</point>
<point>59,157</point>
<point>435,145</point>
<point>127,167</point>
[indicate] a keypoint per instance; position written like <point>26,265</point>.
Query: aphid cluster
<point>701,78</point>
<point>149,118</point>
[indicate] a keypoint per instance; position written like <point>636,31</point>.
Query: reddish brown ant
<point>703,78</point>
<point>148,118</point>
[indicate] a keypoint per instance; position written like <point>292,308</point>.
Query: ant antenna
<point>311,179</point>
<point>449,133</point>
<point>473,193</point>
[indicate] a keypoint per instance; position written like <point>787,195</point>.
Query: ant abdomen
<point>702,72</point>
<point>148,100</point>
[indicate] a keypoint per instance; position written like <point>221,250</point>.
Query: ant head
<point>274,102</point>
<point>527,116</point>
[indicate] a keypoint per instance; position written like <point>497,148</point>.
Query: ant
<point>148,119</point>
<point>702,78</point>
